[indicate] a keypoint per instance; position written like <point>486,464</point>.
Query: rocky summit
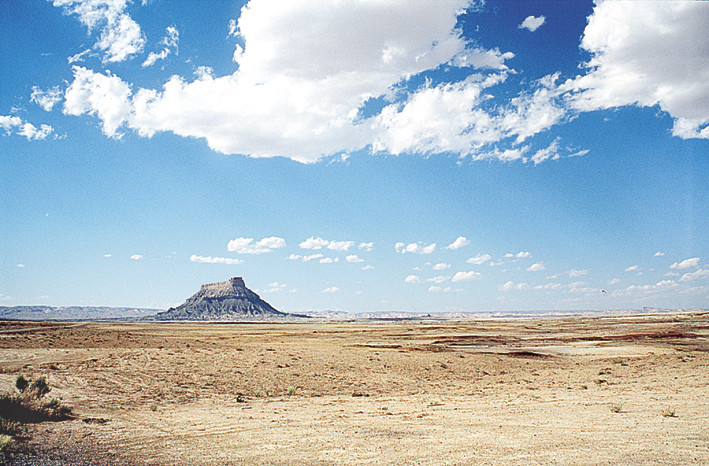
<point>229,300</point>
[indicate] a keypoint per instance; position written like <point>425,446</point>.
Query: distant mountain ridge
<point>74,313</point>
<point>229,300</point>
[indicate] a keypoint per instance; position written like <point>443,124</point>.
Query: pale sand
<point>493,392</point>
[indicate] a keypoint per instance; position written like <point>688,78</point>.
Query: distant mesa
<point>229,300</point>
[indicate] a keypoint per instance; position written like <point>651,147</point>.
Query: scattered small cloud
<point>441,266</point>
<point>16,125</point>
<point>274,287</point>
<point>170,40</point>
<point>108,255</point>
<point>510,285</point>
<point>249,246</point>
<point>20,266</point>
<point>119,37</point>
<point>573,273</point>
<point>658,254</point>
<point>329,260</point>
<point>523,254</point>
<point>366,246</point>
<point>532,23</point>
<point>368,267</point>
<point>465,276</point>
<point>685,264</point>
<point>354,258</point>
<point>214,260</point>
<point>536,267</point>
<point>632,268</point>
<point>479,259</point>
<point>319,243</point>
<point>136,257</point>
<point>613,281</point>
<point>438,289</point>
<point>413,279</point>
<point>415,248</point>
<point>460,242</point>
<point>332,289</point>
<point>46,99</point>
<point>696,275</point>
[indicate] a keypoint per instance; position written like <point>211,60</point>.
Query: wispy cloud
<point>119,36</point>
<point>250,246</point>
<point>415,248</point>
<point>215,260</point>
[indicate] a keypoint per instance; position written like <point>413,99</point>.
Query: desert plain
<point>584,390</point>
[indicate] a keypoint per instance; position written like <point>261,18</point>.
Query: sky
<point>378,155</point>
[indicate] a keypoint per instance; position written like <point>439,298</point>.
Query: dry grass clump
<point>616,408</point>
<point>28,405</point>
<point>668,412</point>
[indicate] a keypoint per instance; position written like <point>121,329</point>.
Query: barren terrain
<point>603,390</point>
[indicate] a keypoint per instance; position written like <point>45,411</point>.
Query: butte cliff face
<point>229,300</point>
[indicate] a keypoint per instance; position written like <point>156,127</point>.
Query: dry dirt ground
<point>628,390</point>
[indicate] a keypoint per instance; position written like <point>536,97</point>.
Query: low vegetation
<point>28,405</point>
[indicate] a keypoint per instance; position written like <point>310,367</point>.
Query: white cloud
<point>413,279</point>
<point>46,99</point>
<point>658,254</point>
<point>215,260</point>
<point>249,246</point>
<point>438,289</point>
<point>532,23</point>
<point>438,279</point>
<point>304,75</point>
<point>415,248</point>
<point>460,242</point>
<point>523,254</point>
<point>172,37</point>
<point>275,287</point>
<point>685,264</point>
<point>479,259</point>
<point>513,286</point>
<point>696,275</point>
<point>354,258</point>
<point>366,246</point>
<point>536,267</point>
<point>550,152</point>
<point>314,243</point>
<point>136,257</point>
<point>613,281</point>
<point>20,266</point>
<point>632,268</point>
<point>573,273</point>
<point>340,245</point>
<point>329,260</point>
<point>312,257</point>
<point>368,267</point>
<point>646,56</point>
<point>465,276</point>
<point>332,289</point>
<point>107,255</point>
<point>119,36</point>
<point>441,266</point>
<point>319,243</point>
<point>105,96</point>
<point>14,124</point>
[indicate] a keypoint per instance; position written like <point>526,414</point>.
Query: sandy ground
<point>565,391</point>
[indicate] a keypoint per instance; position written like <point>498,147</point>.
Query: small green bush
<point>290,391</point>
<point>6,441</point>
<point>8,427</point>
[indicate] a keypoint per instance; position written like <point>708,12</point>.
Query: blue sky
<point>356,156</point>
